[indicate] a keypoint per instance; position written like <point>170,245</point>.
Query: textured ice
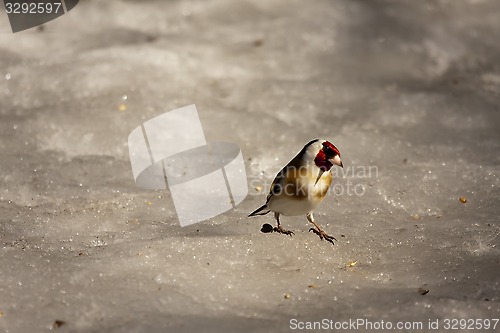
<point>410,88</point>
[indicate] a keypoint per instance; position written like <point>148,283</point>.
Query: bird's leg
<point>279,228</point>
<point>318,231</point>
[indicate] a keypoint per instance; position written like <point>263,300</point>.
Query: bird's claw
<point>323,235</point>
<point>283,231</point>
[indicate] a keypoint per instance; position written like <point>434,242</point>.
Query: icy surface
<point>410,88</point>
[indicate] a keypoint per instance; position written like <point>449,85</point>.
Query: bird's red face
<point>328,156</point>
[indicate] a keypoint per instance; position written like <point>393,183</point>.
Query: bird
<point>302,185</point>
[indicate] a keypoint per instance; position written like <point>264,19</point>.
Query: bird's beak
<point>336,160</point>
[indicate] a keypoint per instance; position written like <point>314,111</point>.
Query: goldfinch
<point>302,184</point>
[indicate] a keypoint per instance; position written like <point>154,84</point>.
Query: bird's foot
<point>280,230</point>
<point>323,235</point>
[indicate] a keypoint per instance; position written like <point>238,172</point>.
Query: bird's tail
<point>263,210</point>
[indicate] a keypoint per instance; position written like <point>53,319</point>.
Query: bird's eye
<point>328,151</point>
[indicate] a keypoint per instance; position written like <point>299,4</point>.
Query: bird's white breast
<point>304,195</point>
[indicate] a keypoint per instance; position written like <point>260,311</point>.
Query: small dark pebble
<point>58,323</point>
<point>258,42</point>
<point>342,235</point>
<point>266,228</point>
<point>423,291</point>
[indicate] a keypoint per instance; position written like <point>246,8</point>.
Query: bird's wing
<point>277,185</point>
<point>280,179</point>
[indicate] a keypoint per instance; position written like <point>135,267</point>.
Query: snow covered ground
<point>407,89</point>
